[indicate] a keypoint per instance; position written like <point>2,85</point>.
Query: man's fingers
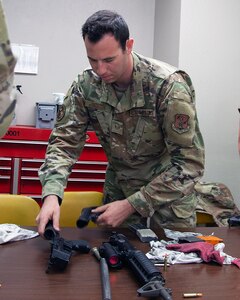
<point>56,225</point>
<point>100,209</point>
<point>41,227</point>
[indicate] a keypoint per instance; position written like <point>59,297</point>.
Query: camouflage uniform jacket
<point>7,64</point>
<point>151,137</point>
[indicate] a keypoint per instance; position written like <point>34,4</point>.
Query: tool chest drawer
<point>5,174</point>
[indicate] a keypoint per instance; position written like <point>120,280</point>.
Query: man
<point>143,112</point>
<point>7,64</point>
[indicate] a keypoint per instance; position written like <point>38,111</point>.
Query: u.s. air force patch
<point>181,123</point>
<point>61,112</point>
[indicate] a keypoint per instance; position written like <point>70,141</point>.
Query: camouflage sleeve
<point>184,158</point>
<point>65,144</point>
<point>7,64</point>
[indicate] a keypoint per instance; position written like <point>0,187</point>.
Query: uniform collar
<point>133,97</point>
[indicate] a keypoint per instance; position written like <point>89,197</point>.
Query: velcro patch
<point>181,123</point>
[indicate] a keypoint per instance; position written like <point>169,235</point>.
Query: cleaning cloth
<point>12,232</point>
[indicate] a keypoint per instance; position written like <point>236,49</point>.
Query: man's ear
<point>129,45</point>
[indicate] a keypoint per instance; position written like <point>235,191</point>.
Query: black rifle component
<point>234,221</point>
<point>50,232</point>
<point>61,249</point>
<point>143,268</point>
<point>86,216</point>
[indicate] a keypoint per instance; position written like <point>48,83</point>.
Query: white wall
<point>167,31</point>
<point>210,52</point>
<point>55,27</point>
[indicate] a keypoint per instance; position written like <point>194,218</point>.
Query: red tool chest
<point>22,151</point>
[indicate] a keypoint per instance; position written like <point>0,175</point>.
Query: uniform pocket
<point>101,123</point>
<point>147,139</point>
<point>136,137</point>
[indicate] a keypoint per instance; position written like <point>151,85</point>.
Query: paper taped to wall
<point>27,58</point>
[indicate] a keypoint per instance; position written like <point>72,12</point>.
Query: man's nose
<point>101,68</point>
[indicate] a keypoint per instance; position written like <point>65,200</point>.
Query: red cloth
<point>204,250</point>
<point>236,262</point>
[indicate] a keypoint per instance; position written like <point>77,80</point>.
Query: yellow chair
<point>205,219</point>
<point>18,209</point>
<point>74,202</point>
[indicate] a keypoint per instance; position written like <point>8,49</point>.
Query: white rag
<point>12,232</point>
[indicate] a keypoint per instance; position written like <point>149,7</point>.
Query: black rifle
<point>61,249</point>
<point>118,251</point>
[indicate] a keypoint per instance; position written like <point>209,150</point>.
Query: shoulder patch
<point>181,123</point>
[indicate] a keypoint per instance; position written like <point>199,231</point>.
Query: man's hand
<point>114,213</point>
<point>50,211</point>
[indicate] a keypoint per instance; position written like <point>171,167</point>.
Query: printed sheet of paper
<point>27,58</point>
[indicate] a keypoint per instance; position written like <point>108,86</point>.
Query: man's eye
<point>108,60</point>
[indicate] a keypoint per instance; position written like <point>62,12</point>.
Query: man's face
<point>108,60</point>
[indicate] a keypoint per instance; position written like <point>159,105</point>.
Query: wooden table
<point>23,265</point>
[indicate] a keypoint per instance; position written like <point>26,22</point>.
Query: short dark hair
<point>103,22</point>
